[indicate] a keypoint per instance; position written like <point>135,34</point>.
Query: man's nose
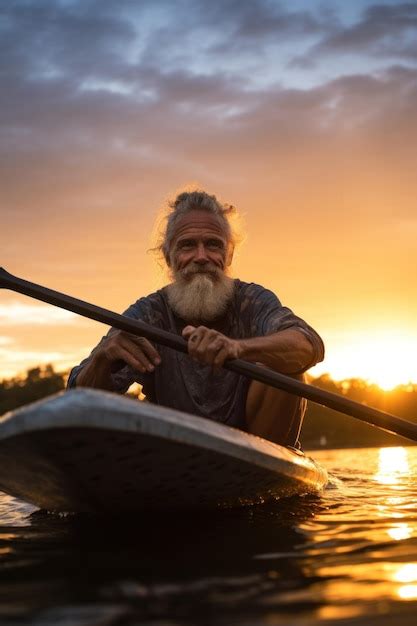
<point>201,254</point>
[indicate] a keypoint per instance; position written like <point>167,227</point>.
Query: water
<point>348,558</point>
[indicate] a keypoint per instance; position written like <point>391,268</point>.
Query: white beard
<point>202,298</point>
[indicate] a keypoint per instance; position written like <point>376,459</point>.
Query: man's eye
<point>218,245</point>
<point>185,244</point>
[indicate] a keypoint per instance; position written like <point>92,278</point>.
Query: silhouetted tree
<point>38,383</point>
<point>324,427</point>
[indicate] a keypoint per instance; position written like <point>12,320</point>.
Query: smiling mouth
<point>209,273</point>
<point>195,271</point>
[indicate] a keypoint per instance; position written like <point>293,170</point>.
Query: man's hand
<point>287,351</point>
<point>137,352</point>
<point>210,347</point>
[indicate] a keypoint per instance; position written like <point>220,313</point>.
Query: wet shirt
<point>184,384</point>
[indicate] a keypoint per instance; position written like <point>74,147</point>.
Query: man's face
<point>198,257</point>
<point>199,245</point>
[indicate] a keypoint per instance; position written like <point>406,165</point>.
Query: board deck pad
<point>93,451</point>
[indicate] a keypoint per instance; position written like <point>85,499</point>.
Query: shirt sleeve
<point>270,316</point>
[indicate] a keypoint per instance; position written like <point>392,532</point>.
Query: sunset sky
<point>301,114</point>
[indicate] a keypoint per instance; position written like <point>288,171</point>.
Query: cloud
<point>134,84</point>
<point>13,362</point>
<point>5,341</point>
<point>198,126</point>
<point>17,314</point>
<point>387,31</point>
<point>230,36</point>
<point>61,40</point>
<point>117,49</point>
<point>143,97</point>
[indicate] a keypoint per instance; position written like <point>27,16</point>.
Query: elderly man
<point>221,318</point>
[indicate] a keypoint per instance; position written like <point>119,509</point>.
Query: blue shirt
<point>184,384</point>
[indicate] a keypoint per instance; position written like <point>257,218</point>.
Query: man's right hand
<point>137,352</point>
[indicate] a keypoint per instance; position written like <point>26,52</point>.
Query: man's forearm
<point>288,351</point>
<point>96,373</point>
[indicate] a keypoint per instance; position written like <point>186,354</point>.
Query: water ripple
<point>342,558</point>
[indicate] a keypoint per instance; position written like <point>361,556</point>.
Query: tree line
<point>37,383</point>
<point>323,427</point>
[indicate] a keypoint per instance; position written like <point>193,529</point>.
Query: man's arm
<point>137,352</point>
<point>287,351</point>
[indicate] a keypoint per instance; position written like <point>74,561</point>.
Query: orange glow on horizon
<point>385,358</point>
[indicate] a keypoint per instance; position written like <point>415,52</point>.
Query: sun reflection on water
<point>393,467</point>
<point>408,592</point>
<point>400,532</point>
<point>406,573</point>
<point>393,464</point>
<point>365,543</point>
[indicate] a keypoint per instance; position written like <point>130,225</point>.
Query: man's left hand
<point>210,347</point>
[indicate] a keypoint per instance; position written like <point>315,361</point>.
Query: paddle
<point>385,421</point>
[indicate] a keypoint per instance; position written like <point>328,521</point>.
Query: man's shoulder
<point>153,302</point>
<point>252,291</point>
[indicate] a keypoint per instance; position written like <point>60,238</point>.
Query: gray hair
<point>201,201</point>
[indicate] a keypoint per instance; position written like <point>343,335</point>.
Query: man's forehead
<point>199,223</point>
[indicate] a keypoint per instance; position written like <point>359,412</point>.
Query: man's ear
<point>229,256</point>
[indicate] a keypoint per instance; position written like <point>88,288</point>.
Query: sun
<point>385,358</point>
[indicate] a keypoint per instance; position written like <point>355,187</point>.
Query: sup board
<point>94,451</point>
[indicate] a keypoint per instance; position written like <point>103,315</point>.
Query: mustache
<point>193,269</point>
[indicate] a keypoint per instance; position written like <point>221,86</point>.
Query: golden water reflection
<point>408,592</point>
<point>405,573</point>
<point>393,468</point>
<point>393,465</point>
<point>391,503</point>
<point>400,532</point>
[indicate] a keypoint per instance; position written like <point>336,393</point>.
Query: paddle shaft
<point>380,419</point>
